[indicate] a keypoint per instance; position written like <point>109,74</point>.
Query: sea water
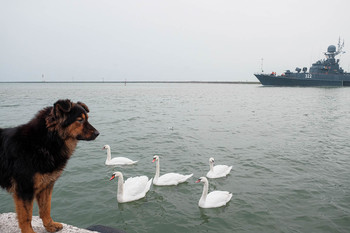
<point>289,148</point>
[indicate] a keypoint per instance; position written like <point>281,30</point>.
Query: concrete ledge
<point>8,224</point>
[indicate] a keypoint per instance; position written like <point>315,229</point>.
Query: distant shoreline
<point>194,82</point>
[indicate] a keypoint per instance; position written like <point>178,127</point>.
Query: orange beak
<point>113,176</point>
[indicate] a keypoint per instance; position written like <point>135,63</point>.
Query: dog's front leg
<point>44,202</point>
<point>24,211</point>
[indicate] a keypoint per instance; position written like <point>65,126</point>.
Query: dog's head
<point>70,120</point>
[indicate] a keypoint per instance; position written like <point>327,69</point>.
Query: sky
<point>166,40</point>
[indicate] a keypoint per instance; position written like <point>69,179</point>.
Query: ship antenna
<point>340,47</point>
<point>262,63</point>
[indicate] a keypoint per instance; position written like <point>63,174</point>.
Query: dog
<point>33,156</point>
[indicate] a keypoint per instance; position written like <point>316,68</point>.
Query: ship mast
<point>340,48</point>
<point>332,51</point>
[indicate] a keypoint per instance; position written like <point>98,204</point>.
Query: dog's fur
<point>33,156</point>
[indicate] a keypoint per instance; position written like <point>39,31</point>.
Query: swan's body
<point>134,188</point>
<point>213,199</point>
<point>168,178</point>
<point>218,171</point>
<point>116,160</point>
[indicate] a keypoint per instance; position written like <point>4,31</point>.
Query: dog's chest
<point>41,181</point>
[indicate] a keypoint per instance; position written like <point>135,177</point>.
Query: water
<point>289,148</point>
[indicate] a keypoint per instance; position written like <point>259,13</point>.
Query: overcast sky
<point>166,40</point>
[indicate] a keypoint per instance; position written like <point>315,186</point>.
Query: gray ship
<point>326,72</point>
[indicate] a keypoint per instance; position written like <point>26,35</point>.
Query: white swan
<point>133,189</point>
<point>213,199</point>
<point>168,178</point>
<point>116,160</point>
<point>218,170</point>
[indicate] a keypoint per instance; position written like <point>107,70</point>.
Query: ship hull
<point>300,80</point>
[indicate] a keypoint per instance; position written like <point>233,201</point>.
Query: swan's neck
<point>211,167</point>
<point>205,192</point>
<point>109,157</point>
<point>120,187</point>
<point>157,170</point>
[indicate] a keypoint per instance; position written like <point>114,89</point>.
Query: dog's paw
<point>53,227</point>
<point>28,230</point>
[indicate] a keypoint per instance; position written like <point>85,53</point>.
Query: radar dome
<point>331,49</point>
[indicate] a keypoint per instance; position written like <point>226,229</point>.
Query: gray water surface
<point>289,148</point>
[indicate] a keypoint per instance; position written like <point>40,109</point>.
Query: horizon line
<point>209,82</point>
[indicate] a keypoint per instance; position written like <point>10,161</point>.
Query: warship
<point>326,72</point>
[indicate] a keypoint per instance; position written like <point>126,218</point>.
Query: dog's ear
<point>62,106</point>
<point>83,105</point>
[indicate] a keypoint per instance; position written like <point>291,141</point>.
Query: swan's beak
<point>154,160</point>
<point>199,180</point>
<point>113,176</point>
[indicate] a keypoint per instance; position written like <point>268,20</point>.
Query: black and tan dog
<point>33,156</point>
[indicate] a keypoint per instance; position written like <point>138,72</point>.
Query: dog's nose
<point>96,133</point>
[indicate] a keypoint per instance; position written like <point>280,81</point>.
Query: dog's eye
<point>80,119</point>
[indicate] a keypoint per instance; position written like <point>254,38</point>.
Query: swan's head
<point>115,174</point>
<point>106,147</point>
<point>202,179</point>
<point>211,160</point>
<point>155,158</point>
